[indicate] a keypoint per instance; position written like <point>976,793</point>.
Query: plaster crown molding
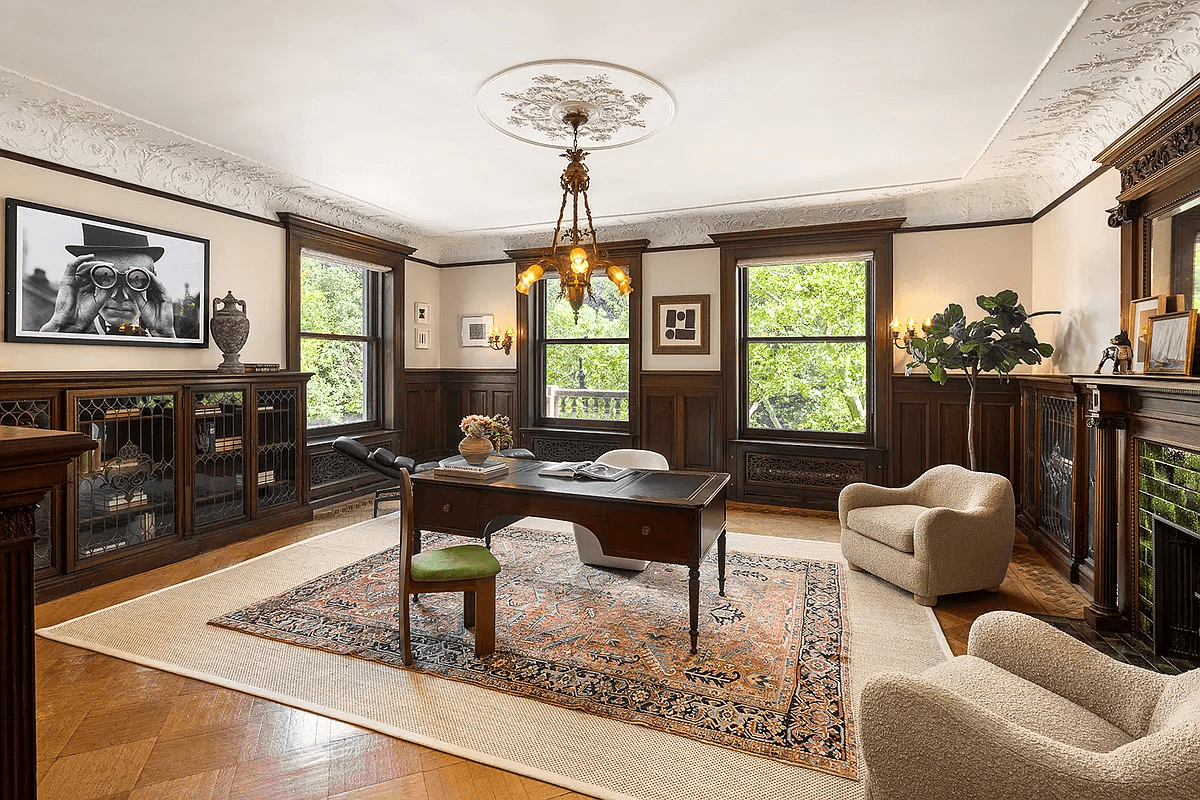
<point>1117,63</point>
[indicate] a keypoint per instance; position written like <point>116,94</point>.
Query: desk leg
<point>694,604</point>
<point>721,562</point>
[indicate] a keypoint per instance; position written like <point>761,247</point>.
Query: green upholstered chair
<point>467,568</point>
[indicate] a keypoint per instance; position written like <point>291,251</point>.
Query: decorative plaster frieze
<point>1122,59</point>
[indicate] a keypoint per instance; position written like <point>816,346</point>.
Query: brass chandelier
<point>575,264</point>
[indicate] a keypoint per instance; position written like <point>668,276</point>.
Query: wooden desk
<point>669,517</point>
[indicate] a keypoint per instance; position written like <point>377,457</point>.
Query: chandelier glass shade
<point>573,253</point>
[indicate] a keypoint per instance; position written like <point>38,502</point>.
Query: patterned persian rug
<point>771,677</point>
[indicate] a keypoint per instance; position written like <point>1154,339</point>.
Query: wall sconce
<point>497,342</point>
<point>901,339</point>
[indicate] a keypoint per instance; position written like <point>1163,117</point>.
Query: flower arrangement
<point>497,428</point>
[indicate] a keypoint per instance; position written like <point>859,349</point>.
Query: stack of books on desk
<point>488,469</point>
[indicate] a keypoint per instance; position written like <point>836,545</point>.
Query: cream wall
<point>681,272</point>
<point>931,269</point>
<point>244,256</point>
<point>486,289</point>
<point>422,284</point>
<point>1077,270</point>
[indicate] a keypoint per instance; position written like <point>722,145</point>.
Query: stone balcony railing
<point>562,403</point>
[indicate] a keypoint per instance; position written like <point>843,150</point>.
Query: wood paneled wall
<point>682,416</point>
<point>929,427</point>
<point>436,400</point>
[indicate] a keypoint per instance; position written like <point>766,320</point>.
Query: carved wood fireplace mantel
<point>1143,464</point>
<point>32,462</point>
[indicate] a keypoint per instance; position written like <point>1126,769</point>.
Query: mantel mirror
<point>1173,249</point>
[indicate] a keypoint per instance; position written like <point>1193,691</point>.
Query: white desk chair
<point>589,546</point>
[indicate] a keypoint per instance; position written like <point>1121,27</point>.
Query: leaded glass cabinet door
<point>125,489</point>
<point>219,446</point>
<point>278,412</point>
<point>34,412</point>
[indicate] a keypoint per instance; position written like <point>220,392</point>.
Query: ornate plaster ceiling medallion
<point>529,101</point>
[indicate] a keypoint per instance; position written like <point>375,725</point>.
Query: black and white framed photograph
<point>80,279</point>
<point>681,324</point>
<point>422,314</point>
<point>475,330</point>
<point>422,340</point>
<point>1172,343</point>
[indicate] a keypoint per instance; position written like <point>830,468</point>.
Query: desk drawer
<point>658,534</point>
<point>446,508</point>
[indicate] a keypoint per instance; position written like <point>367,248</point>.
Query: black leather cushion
<point>518,452</point>
<point>387,458</point>
<point>351,447</point>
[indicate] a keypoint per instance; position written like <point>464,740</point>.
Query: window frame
<point>804,243</point>
<point>531,328</point>
<point>308,234</point>
<point>745,340</point>
<point>373,319</point>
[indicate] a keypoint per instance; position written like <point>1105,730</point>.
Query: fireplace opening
<point>1176,590</point>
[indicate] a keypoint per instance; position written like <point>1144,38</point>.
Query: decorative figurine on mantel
<point>1120,352</point>
<point>230,327</point>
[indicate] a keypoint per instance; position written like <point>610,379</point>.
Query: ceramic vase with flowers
<point>481,433</point>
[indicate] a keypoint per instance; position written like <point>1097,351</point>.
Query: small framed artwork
<point>1140,312</point>
<point>681,324</point>
<point>422,315</point>
<point>475,330</point>
<point>1171,344</point>
<point>422,340</point>
<point>74,278</point>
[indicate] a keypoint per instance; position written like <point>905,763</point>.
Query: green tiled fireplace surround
<point>1168,486</point>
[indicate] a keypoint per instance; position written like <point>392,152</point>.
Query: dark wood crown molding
<point>622,249</point>
<point>828,232</point>
<point>1164,145</point>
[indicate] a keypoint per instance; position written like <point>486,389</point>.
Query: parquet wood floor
<point>112,730</point>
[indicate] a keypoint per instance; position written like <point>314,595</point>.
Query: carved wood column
<point>1105,422</point>
<point>32,462</point>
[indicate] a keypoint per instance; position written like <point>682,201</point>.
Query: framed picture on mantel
<point>1171,346</point>
<point>74,278</point>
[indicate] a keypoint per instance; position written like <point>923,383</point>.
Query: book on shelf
<point>460,469</point>
<point>122,413</point>
<point>121,502</point>
<point>264,477</point>
<point>207,410</point>
<point>121,466</point>
<point>585,469</point>
<point>225,444</point>
<point>261,367</point>
<point>267,408</point>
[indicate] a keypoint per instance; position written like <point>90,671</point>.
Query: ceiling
<point>786,112</point>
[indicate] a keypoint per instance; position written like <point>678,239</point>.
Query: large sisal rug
<point>595,755</point>
<point>771,675</point>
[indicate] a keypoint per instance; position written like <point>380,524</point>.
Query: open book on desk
<point>585,469</point>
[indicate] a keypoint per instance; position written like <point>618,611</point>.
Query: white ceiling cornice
<point>1118,61</point>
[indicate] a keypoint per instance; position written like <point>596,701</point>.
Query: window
<point>340,338</point>
<point>805,343</point>
<point>584,366</point>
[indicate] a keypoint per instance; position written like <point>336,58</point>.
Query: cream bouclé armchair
<point>951,530</point>
<point>1031,713</point>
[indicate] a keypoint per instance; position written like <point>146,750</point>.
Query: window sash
<point>542,341</point>
<point>745,341</point>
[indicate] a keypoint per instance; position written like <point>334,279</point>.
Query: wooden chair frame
<point>479,594</point>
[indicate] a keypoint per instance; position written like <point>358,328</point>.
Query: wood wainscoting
<point>929,427</point>
<point>682,418</point>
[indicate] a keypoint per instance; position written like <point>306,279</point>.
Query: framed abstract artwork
<point>681,324</point>
<point>475,330</point>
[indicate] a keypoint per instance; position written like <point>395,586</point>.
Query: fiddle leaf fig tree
<point>997,343</point>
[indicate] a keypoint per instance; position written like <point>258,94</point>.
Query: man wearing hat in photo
<point>111,288</point>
